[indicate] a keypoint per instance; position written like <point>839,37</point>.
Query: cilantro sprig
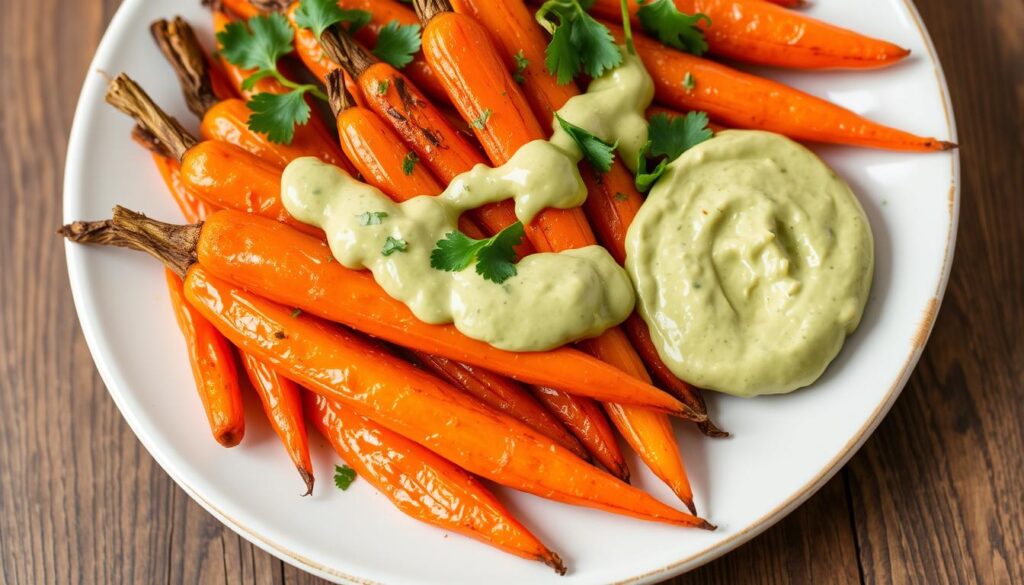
<point>579,44</point>
<point>257,44</point>
<point>494,256</point>
<point>397,43</point>
<point>595,151</point>
<point>668,137</point>
<point>676,29</point>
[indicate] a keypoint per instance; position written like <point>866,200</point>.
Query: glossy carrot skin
<point>469,66</point>
<point>765,34</point>
<point>426,130</point>
<point>503,395</point>
<point>742,100</point>
<point>241,8</point>
<point>421,484</point>
<point>393,393</point>
<point>213,367</point>
<point>228,121</point>
<point>210,356</point>
<point>585,419</point>
<point>297,270</point>
<point>313,133</point>
<point>228,177</point>
<point>282,403</point>
<point>193,208</point>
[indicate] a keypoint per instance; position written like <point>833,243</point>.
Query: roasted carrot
<point>742,100</point>
<point>227,119</point>
<point>470,68</point>
<point>211,357</point>
<point>282,404</point>
<point>787,3</point>
<point>341,366</point>
<point>585,419</point>
<point>240,8</point>
<point>297,270</point>
<point>503,395</point>
<point>436,142</point>
<point>423,485</point>
<point>762,33</point>
<point>219,173</point>
<point>213,367</point>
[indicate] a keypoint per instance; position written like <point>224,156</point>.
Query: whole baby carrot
<point>585,419</point>
<point>211,357</point>
<point>227,119</point>
<point>297,270</point>
<point>469,66</point>
<point>423,485</point>
<point>762,33</point>
<point>282,403</point>
<point>742,100</point>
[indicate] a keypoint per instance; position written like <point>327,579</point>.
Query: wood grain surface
<point>935,496</point>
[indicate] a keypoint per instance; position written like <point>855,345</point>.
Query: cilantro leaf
<point>521,64</point>
<point>277,114</point>
<point>372,217</point>
<point>480,121</point>
<point>257,44</point>
<point>397,43</point>
<point>392,245</point>
<point>667,139</point>
<point>673,136</point>
<point>318,15</point>
<point>578,42</point>
<point>494,256</point>
<point>595,151</point>
<point>409,162</point>
<point>672,27</point>
<point>343,476</point>
<point>689,82</point>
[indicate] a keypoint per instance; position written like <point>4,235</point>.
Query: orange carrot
<point>502,395</point>
<point>423,485</point>
<point>213,367</point>
<point>221,174</point>
<point>742,100</point>
<point>283,407</point>
<point>762,33</point>
<point>240,8</point>
<point>469,66</point>
<point>212,360</point>
<point>339,365</point>
<point>585,419</point>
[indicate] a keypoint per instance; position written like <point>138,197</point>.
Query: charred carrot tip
<point>688,502</point>
<point>307,477</point>
<point>705,525</point>
<point>555,562</point>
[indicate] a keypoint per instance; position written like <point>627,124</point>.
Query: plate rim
<point>929,314</point>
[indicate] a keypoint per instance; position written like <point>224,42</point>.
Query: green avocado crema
<point>554,299</point>
<point>752,262</point>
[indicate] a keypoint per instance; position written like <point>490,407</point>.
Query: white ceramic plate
<point>783,448</point>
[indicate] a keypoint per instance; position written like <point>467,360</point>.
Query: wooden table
<point>935,496</point>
